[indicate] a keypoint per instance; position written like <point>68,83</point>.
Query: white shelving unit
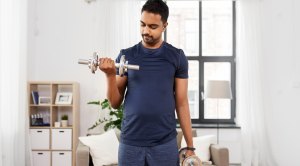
<point>50,145</point>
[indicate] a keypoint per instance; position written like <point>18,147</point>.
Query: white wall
<point>60,33</point>
<point>281,39</point>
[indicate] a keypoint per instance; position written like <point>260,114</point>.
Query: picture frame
<point>63,98</point>
<point>44,100</point>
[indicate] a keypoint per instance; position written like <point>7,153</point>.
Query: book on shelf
<point>35,97</point>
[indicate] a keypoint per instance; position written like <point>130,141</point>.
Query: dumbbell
<point>93,64</point>
<point>190,160</point>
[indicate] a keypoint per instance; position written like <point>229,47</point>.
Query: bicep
<point>122,84</point>
<point>181,89</point>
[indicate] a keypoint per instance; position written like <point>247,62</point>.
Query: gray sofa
<point>219,155</point>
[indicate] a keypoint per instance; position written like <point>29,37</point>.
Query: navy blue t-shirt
<point>149,104</point>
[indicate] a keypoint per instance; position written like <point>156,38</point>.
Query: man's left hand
<point>189,153</point>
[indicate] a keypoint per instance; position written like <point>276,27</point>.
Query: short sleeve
<point>118,61</point>
<point>183,66</point>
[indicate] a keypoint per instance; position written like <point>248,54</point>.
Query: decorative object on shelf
<point>115,119</point>
<point>35,97</point>
<point>63,98</point>
<point>43,100</point>
<point>39,120</point>
<point>64,121</point>
<point>56,124</point>
<point>218,89</point>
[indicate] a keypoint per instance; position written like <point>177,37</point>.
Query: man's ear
<point>165,25</point>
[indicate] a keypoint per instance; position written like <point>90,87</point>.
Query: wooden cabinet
<point>48,102</point>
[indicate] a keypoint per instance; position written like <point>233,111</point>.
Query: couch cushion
<point>103,148</point>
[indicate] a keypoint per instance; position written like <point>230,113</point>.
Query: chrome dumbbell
<point>190,160</point>
<point>93,64</point>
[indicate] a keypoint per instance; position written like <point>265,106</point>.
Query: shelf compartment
<point>56,88</point>
<point>43,90</point>
<point>39,116</point>
<point>59,111</point>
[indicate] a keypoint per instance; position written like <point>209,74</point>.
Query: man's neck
<point>157,45</point>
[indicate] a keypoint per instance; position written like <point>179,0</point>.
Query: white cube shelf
<point>50,144</point>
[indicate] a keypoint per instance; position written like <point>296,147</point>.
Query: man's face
<point>152,28</point>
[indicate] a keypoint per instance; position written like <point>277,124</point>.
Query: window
<point>205,30</point>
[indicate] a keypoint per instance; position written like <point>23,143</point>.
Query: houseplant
<point>64,120</point>
<point>115,115</point>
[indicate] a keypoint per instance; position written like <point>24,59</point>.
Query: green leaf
<point>94,102</point>
<point>115,119</point>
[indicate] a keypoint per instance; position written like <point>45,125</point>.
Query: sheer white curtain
<point>120,23</point>
<point>117,25</point>
<point>13,22</point>
<point>250,104</point>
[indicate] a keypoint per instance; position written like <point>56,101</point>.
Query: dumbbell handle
<point>132,67</point>
<point>83,61</point>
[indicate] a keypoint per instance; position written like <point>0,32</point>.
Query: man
<point>148,134</point>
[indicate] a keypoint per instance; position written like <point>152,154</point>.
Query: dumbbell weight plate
<point>192,161</point>
<point>122,67</point>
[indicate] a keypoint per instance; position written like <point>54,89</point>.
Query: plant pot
<point>57,124</point>
<point>64,123</point>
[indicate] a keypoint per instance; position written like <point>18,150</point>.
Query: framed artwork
<point>63,98</point>
<point>44,100</point>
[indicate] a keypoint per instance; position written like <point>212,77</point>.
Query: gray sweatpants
<point>160,155</point>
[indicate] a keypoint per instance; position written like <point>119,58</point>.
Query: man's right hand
<point>116,85</point>
<point>107,65</point>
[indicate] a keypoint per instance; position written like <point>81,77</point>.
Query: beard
<point>150,40</point>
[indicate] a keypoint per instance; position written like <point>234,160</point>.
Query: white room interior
<point>57,33</point>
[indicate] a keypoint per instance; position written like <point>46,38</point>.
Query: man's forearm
<point>185,124</point>
<point>113,94</point>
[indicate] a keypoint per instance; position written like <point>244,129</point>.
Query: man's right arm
<point>116,89</point>
<point>116,85</point>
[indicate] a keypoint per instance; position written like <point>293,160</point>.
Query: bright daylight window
<point>205,30</point>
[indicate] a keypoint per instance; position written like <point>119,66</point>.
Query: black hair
<point>157,7</point>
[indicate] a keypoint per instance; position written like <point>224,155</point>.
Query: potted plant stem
<point>115,116</point>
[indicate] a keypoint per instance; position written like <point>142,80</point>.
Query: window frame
<point>202,59</point>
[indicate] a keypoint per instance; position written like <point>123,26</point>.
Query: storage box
<point>39,157</point>
<point>62,139</point>
<point>39,139</point>
<point>62,158</point>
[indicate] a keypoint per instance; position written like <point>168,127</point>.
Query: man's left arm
<point>183,112</point>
